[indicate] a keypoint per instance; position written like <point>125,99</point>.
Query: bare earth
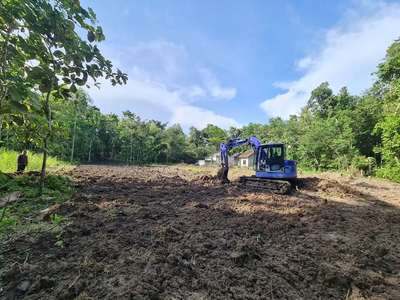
<point>169,233</point>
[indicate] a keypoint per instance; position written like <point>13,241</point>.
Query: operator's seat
<point>276,162</point>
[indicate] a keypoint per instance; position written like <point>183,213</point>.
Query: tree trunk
<point>90,150</point>
<point>44,162</point>
<point>46,139</point>
<point>4,70</point>
<point>131,151</point>
<point>316,160</point>
<point>7,139</point>
<point>26,140</point>
<point>1,125</point>
<point>73,135</point>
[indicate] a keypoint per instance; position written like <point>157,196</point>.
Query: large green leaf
<point>70,25</point>
<point>5,110</point>
<point>66,80</point>
<point>67,59</point>
<point>36,73</point>
<point>73,89</point>
<point>92,13</point>
<point>15,94</point>
<point>43,88</point>
<point>58,54</point>
<point>17,120</point>
<point>91,36</point>
<point>19,107</point>
<point>65,133</point>
<point>80,82</point>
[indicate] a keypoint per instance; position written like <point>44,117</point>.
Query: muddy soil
<point>169,233</point>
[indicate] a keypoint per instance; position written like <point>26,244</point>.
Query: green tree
<point>196,137</point>
<point>51,39</point>
<point>176,144</point>
<point>234,132</point>
<point>214,136</point>
<point>389,125</point>
<point>321,100</point>
<point>14,89</point>
<point>80,101</point>
<point>367,114</point>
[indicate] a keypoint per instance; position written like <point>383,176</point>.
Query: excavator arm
<point>237,142</point>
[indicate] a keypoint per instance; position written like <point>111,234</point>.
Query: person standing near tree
<point>22,161</point>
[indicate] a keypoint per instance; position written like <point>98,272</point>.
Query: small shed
<point>233,160</point>
<point>246,159</point>
<point>213,158</point>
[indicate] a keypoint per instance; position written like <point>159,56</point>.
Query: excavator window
<point>271,158</point>
<point>276,152</point>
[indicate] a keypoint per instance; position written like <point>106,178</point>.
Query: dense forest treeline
<point>40,112</point>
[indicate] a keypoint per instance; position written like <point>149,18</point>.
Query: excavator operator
<point>262,165</point>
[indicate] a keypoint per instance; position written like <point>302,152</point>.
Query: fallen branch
<point>4,210</point>
<point>177,231</point>
<point>26,259</point>
<point>75,280</point>
<point>13,197</point>
<point>348,294</point>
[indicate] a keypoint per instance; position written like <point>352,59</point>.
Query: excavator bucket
<point>222,174</point>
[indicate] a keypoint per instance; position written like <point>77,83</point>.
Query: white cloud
<point>303,63</point>
<point>193,93</point>
<point>161,59</point>
<point>214,86</point>
<point>198,117</point>
<point>349,54</point>
<point>157,87</point>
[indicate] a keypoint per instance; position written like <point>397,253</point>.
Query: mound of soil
<point>168,233</point>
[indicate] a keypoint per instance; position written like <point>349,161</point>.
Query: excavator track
<point>272,185</point>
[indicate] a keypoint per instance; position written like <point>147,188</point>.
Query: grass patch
<point>25,216</point>
<point>8,161</point>
<point>389,173</point>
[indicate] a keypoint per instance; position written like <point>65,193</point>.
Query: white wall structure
<point>246,159</point>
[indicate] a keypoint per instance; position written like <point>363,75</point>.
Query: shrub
<point>391,173</point>
<point>366,164</point>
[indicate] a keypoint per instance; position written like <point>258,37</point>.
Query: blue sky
<point>234,62</point>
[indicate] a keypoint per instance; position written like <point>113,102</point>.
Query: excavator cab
<point>271,157</point>
<point>271,163</point>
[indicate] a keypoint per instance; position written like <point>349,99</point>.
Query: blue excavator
<point>272,171</point>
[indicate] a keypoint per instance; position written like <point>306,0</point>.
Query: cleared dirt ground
<point>169,233</point>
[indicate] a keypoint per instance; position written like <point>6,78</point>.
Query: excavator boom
<point>237,142</point>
